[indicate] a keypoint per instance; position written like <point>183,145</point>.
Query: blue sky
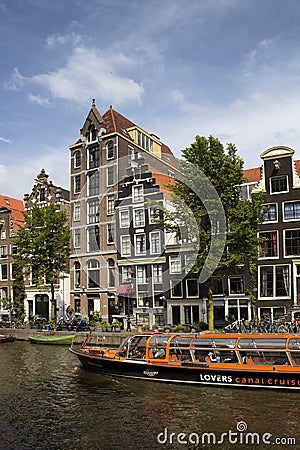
<point>177,68</point>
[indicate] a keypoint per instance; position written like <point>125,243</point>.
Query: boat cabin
<point>275,350</point>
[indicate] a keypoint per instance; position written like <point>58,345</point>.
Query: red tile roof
<point>252,175</point>
<point>16,207</point>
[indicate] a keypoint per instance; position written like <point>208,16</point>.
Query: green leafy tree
<point>18,291</point>
<point>44,247</point>
<point>238,245</point>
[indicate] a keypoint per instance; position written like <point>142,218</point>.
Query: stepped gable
<point>16,207</point>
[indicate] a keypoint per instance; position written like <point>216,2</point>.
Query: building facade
<point>38,302</point>
<point>11,218</point>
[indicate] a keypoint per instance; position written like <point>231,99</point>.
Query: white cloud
<point>55,40</point>
<point>38,99</point>
<point>92,73</point>
<point>24,172</point>
<point>5,140</point>
<point>16,81</point>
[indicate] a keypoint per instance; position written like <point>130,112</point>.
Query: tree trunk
<point>210,310</point>
<point>53,303</point>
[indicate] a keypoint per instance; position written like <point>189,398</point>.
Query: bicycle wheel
<point>282,329</point>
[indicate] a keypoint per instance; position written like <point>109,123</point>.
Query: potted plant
<point>179,327</point>
<point>116,325</point>
<point>104,325</point>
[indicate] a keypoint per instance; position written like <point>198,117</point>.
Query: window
<point>111,273</point>
<point>42,195</point>
<point>93,274</point>
<point>236,285</point>
<point>268,248</point>
<point>93,211</point>
<point>3,251</point>
<point>279,184</point>
<point>138,194</point>
<point>110,204</point>
<point>155,242</point>
<point>4,272</point>
<point>93,238</point>
<point>138,217</point>
<point>110,176</point>
<point>292,242</point>
<point>246,190</point>
<point>77,159</point>
<point>77,238</point>
<point>140,244</point>
<point>93,180</point>
<point>157,273</point>
<point>14,249</point>
<point>271,214</point>
<point>192,287</point>
<point>93,157</point>
<point>151,215</point>
<point>125,246</point>
<point>77,186</point>
<point>144,141</point>
<point>110,233</point>
<point>176,288</point>
<point>291,210</point>
<point>77,274</point>
<point>77,211</point>
<point>175,264</point>
<point>3,234</point>
<point>3,292</point>
<point>141,274</point>
<point>124,218</point>
<point>274,281</point>
<point>110,150</point>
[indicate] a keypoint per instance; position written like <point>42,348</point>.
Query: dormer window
<point>42,195</point>
<point>279,184</point>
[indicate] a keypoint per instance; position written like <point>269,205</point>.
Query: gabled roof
<point>16,207</point>
<point>252,175</point>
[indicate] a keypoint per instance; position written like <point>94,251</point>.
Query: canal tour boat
<point>243,360</point>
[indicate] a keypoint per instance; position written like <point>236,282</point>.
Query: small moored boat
<point>4,338</point>
<point>52,340</point>
<point>241,360</point>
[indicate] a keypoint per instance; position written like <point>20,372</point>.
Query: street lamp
<point>128,284</point>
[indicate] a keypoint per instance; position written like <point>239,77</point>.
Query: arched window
<point>93,273</point>
<point>93,134</point>
<point>77,274</point>
<point>77,159</point>
<point>111,273</point>
<point>110,150</point>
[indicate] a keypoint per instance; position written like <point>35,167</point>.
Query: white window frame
<point>110,157</point>
<point>277,244</point>
<point>77,177</point>
<point>138,222</point>
<point>3,251</point>
<point>124,224</point>
<point>175,264</point>
<point>139,197</point>
<point>141,274</point>
<point>283,211</point>
<point>279,192</point>
<point>112,225</point>
<point>174,283</point>
<point>157,273</point>
<point>125,237</point>
<point>273,296</point>
<point>77,238</point>
<point>109,197</point>
<point>276,209</point>
<point>110,171</point>
<point>76,212</point>
<point>151,235</point>
<point>284,243</point>
<point>136,238</point>
<point>187,289</point>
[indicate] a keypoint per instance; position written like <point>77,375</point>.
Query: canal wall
<point>110,339</point>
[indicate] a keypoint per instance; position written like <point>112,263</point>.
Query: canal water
<point>47,401</point>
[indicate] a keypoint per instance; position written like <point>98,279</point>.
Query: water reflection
<point>49,402</point>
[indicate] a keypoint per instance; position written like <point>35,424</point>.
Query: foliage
<point>44,246</point>
<point>18,291</point>
<point>224,169</point>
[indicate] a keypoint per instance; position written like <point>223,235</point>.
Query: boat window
<point>214,342</point>
<point>180,341</point>
<point>262,343</point>
<point>137,347</point>
<point>296,358</point>
<point>180,354</point>
<point>123,349</point>
<point>265,358</point>
<point>294,344</point>
<point>219,356</point>
<point>159,341</point>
